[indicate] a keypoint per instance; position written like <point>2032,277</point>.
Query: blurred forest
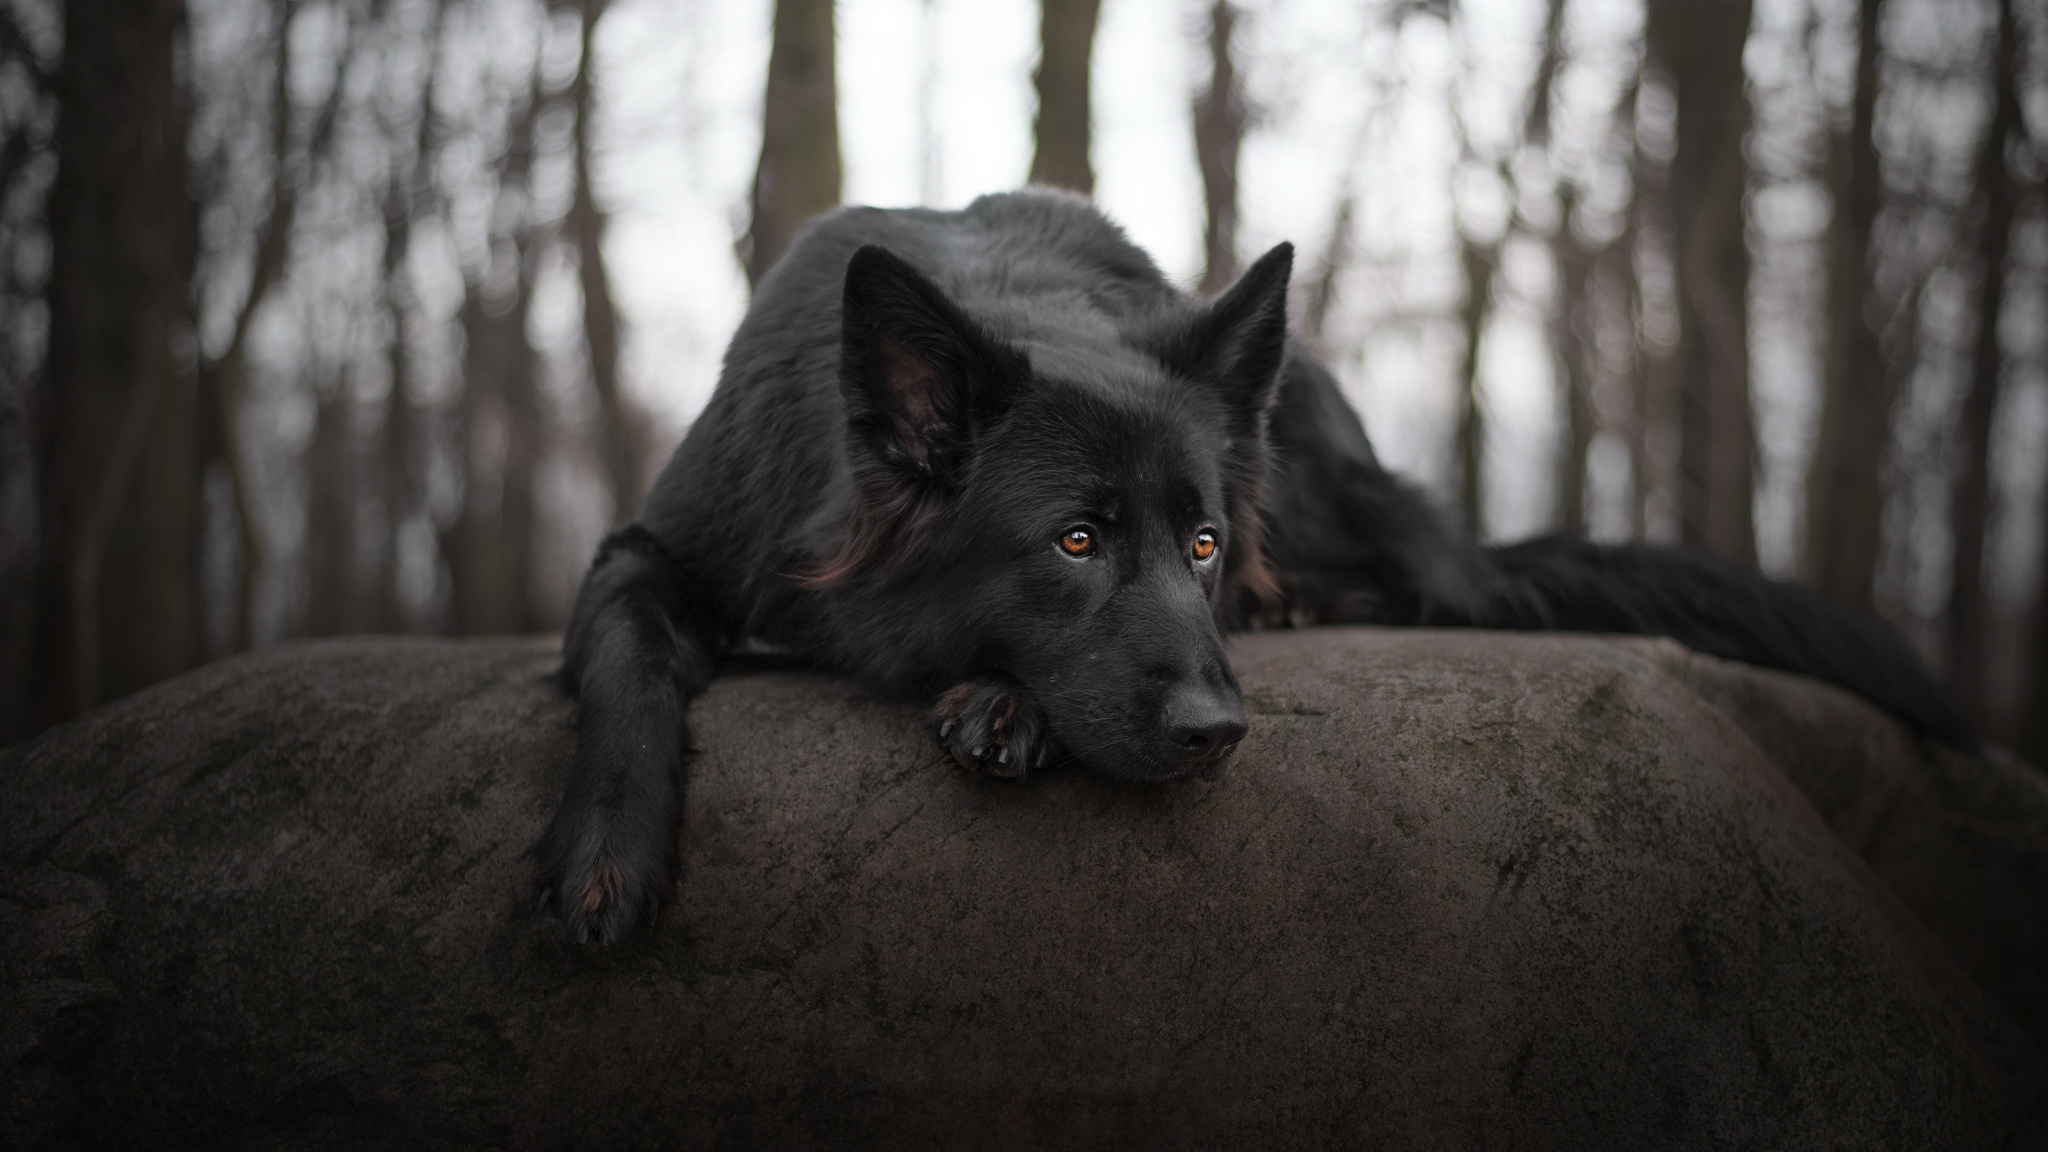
<point>307,325</point>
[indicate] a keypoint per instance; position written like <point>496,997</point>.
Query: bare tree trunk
<point>1220,117</point>
<point>1479,261</point>
<point>1322,290</point>
<point>1845,481</point>
<point>1624,258</point>
<point>1642,412</point>
<point>1536,124</point>
<point>407,191</point>
<point>1572,334</point>
<point>401,492</point>
<point>332,592</point>
<point>395,447</point>
<point>118,433</point>
<point>1968,605</point>
<point>1061,132</point>
<point>2033,734</point>
<point>1571,324</point>
<point>223,378</point>
<point>618,449</point>
<point>24,138</point>
<point>489,549</point>
<point>799,173</point>
<point>1700,45</point>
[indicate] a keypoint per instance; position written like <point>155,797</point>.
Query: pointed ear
<point>1237,343</point>
<point>919,378</point>
<point>918,374</point>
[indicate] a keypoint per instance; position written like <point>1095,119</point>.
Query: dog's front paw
<point>598,892</point>
<point>989,724</point>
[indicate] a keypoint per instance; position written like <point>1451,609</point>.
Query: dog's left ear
<point>1237,343</point>
<point>918,374</point>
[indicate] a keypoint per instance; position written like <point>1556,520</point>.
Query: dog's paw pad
<point>988,725</point>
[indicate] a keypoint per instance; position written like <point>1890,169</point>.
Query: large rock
<point>1459,890</point>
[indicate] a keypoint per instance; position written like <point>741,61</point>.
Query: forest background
<point>333,316</point>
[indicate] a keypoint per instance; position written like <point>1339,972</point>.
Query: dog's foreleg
<point>634,660</point>
<point>989,723</point>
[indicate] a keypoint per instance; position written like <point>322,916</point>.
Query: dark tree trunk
<point>1572,326</point>
<point>1700,45</point>
<point>1322,291</point>
<point>1536,125</point>
<point>24,140</point>
<point>402,450</point>
<point>799,173</point>
<point>489,549</point>
<point>334,600</point>
<point>1642,394</point>
<point>1220,116</point>
<point>224,378</point>
<point>1638,361</point>
<point>118,438</point>
<point>1066,39</point>
<point>1572,336</point>
<point>1968,605</point>
<point>1845,482</point>
<point>395,447</point>
<point>2033,735</point>
<point>618,446</point>
<point>1479,261</point>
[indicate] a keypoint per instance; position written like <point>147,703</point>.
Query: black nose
<point>1204,725</point>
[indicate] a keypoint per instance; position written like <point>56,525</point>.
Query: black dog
<point>992,455</point>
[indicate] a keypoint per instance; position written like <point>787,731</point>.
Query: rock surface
<point>1459,890</point>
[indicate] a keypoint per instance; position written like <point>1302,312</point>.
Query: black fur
<point>918,408</point>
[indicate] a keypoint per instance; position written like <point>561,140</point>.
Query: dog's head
<point>1073,508</point>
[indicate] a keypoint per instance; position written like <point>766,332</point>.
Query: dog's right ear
<point>918,374</point>
<point>919,378</point>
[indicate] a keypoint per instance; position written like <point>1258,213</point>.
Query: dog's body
<point>993,456</point>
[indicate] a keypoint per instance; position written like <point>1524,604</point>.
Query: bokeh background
<point>336,316</point>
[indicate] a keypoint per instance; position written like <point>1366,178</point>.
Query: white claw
<point>1003,757</point>
<point>946,729</point>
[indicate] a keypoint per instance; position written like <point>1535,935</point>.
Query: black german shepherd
<point>995,457</point>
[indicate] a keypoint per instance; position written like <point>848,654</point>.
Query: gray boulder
<point>1459,890</point>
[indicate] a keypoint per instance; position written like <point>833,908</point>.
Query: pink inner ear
<point>913,386</point>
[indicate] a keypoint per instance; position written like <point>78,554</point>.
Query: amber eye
<point>1205,545</point>
<point>1078,542</point>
